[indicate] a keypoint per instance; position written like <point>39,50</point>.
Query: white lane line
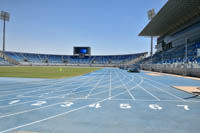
<point>132,88</point>
<point>43,81</point>
<point>147,91</point>
<point>110,86</point>
<point>58,88</point>
<point>145,100</point>
<point>42,87</point>
<point>26,111</point>
<point>165,91</point>
<point>53,82</point>
<point>37,90</point>
<point>39,103</point>
<point>51,117</point>
<point>35,95</point>
<point>164,85</point>
<point>98,82</point>
<point>51,97</point>
<point>67,89</point>
<point>83,84</point>
<point>13,102</point>
<point>125,87</point>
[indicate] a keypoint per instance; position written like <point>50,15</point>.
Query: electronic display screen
<point>81,50</point>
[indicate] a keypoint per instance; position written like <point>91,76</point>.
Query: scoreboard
<point>82,51</point>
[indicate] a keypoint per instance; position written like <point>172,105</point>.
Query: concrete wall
<point>180,69</point>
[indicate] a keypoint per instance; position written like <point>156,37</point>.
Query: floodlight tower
<point>151,14</point>
<point>5,16</point>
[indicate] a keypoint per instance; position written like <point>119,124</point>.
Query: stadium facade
<point>30,59</point>
<point>177,26</point>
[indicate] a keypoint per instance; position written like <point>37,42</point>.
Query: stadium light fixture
<point>151,14</point>
<point>5,16</point>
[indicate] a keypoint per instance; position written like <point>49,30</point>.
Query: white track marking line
<point>83,84</point>
<point>43,89</point>
<point>38,90</point>
<point>126,88</point>
<point>104,91</point>
<point>50,105</point>
<point>63,88</point>
<point>49,89</point>
<point>145,100</point>
<point>51,97</point>
<point>13,102</point>
<point>48,118</point>
<point>45,81</point>
<point>51,117</point>
<point>36,108</point>
<point>147,91</point>
<point>110,86</point>
<point>163,85</point>
<point>95,85</point>
<point>165,91</point>
<point>40,81</point>
<point>53,82</point>
<point>24,83</point>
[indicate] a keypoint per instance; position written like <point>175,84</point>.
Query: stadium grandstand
<point>177,26</point>
<point>19,58</point>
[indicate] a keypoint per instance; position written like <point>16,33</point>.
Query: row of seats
<point>176,55</point>
<point>69,59</point>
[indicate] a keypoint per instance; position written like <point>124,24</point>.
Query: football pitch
<point>44,72</point>
<point>108,100</point>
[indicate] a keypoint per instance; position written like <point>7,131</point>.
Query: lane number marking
<point>155,107</point>
<point>67,104</point>
<point>39,103</point>
<point>125,106</point>
<point>184,106</point>
<point>97,105</point>
<point>13,102</point>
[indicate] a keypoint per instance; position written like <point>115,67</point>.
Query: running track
<point>106,101</point>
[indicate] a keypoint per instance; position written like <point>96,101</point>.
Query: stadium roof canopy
<point>173,14</point>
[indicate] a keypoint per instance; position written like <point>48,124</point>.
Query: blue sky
<point>55,26</point>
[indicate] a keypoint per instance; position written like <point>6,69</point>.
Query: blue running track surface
<point>109,100</point>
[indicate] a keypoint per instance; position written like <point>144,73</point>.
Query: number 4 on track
<point>39,103</point>
<point>125,106</point>
<point>67,104</point>
<point>155,107</point>
<point>97,105</point>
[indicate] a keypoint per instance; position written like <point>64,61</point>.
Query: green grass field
<point>44,72</point>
